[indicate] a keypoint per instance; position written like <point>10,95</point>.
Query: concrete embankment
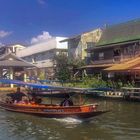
<point>7,89</point>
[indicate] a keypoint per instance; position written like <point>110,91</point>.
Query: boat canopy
<point>51,87</point>
<point>34,85</point>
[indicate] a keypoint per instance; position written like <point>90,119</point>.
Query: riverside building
<point>42,56</point>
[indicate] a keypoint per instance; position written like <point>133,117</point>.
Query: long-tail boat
<point>49,110</point>
<point>54,111</point>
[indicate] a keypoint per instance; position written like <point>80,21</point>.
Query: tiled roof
<point>14,61</point>
<point>8,63</point>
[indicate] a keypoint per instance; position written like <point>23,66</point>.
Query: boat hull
<point>54,111</point>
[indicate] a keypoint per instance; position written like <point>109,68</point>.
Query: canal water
<point>122,123</point>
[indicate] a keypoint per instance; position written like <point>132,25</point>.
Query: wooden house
<point>118,50</point>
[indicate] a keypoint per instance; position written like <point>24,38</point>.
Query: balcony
<point>114,60</point>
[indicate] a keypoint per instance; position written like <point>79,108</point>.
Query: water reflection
<point>121,123</point>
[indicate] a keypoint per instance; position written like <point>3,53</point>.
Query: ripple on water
<point>69,120</point>
<point>120,123</point>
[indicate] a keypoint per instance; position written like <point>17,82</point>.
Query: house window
<point>101,55</point>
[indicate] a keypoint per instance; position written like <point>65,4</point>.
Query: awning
<point>128,65</point>
<point>136,68</point>
<point>97,66</point>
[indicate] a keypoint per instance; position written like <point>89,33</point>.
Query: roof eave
<point>68,39</point>
<point>114,44</point>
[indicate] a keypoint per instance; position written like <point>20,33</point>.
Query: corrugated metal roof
<point>129,65</point>
<point>111,45</point>
<point>97,66</point>
<point>120,33</point>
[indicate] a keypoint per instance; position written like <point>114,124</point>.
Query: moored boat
<point>131,94</point>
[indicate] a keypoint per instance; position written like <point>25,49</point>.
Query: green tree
<point>62,70</point>
<point>41,76</point>
<point>63,74</point>
<point>76,63</point>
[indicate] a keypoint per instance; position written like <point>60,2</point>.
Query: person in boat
<point>67,101</point>
<point>17,96</point>
<point>25,100</point>
<point>38,100</point>
<point>35,99</point>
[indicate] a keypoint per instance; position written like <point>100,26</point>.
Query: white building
<point>42,54</point>
<point>11,49</point>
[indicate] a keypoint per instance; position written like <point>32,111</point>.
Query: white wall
<point>44,46</point>
<point>41,54</point>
